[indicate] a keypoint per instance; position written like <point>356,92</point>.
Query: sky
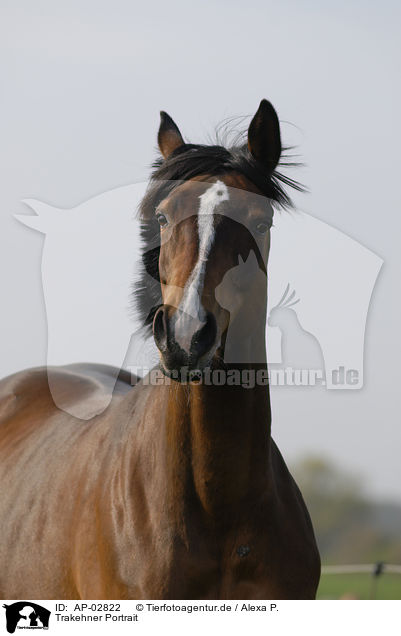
<point>82,87</point>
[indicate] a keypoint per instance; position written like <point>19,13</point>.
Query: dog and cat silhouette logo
<point>26,615</point>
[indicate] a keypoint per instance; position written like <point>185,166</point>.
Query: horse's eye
<point>262,228</point>
<point>161,219</point>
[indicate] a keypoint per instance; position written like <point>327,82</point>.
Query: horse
<point>177,490</point>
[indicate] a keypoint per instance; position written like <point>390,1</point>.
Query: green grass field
<point>360,586</point>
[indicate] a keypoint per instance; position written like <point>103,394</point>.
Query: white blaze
<point>191,301</point>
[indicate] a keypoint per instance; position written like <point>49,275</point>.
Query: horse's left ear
<point>169,137</point>
<point>264,140</point>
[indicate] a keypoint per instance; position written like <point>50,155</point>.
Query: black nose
<point>181,339</point>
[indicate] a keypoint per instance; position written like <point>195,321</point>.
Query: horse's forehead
<point>240,184</point>
<point>239,189</point>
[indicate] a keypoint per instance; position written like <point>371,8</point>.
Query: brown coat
<point>173,492</point>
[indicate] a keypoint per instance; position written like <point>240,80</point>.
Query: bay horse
<point>176,490</point>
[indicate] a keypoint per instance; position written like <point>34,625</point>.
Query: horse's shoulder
<point>292,513</point>
<point>286,486</point>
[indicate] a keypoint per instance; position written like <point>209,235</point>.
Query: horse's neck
<point>218,441</point>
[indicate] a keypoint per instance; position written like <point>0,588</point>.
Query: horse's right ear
<point>169,137</point>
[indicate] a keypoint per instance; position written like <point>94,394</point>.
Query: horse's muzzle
<point>184,340</point>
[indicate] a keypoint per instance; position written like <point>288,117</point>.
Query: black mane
<point>186,162</point>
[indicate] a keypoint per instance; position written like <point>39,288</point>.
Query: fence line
<point>370,568</point>
<point>375,570</point>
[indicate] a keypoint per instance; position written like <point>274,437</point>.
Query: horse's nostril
<point>160,329</point>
